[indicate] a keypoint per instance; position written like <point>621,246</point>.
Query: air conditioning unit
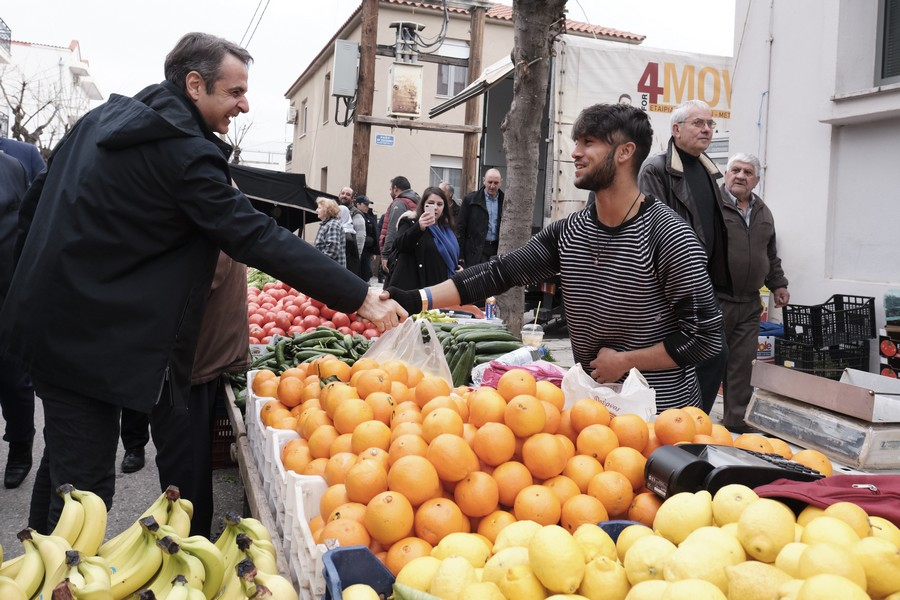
<point>292,115</point>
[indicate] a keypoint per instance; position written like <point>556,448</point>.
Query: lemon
<point>521,583</point>
<point>496,566</point>
<point>628,536</point>
<point>451,578</point>
<point>419,572</point>
<point>468,545</point>
<point>725,541</point>
<point>693,589</point>
<point>604,578</point>
<point>823,557</point>
<point>360,591</point>
<point>827,586</point>
<point>556,559</point>
<point>646,558</point>
<point>730,501</point>
<point>753,579</point>
<point>809,513</point>
<point>765,527</point>
<point>478,573</point>
<point>882,528</point>
<point>682,513</point>
<point>730,528</point>
<point>790,589</point>
<point>853,515</point>
<point>567,597</point>
<point>482,591</point>
<point>652,589</point>
<point>798,532</point>
<point>880,559</point>
<point>515,534</point>
<point>699,561</point>
<point>829,529</point>
<point>788,560</point>
<point>595,542</point>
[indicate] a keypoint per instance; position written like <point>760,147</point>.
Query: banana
<point>95,518</point>
<point>182,591</point>
<point>246,572</point>
<point>179,519</point>
<point>227,544</point>
<point>260,557</point>
<point>71,519</point>
<point>88,577</point>
<point>254,528</point>
<point>10,590</point>
<point>94,570</point>
<point>272,585</point>
<point>31,571</point>
<point>188,506</point>
<point>53,554</point>
<point>133,574</point>
<point>176,562</point>
<point>158,510</point>
<point>1,554</point>
<point>231,587</point>
<point>11,567</point>
<point>212,560</point>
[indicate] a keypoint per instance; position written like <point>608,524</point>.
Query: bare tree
<point>536,23</point>
<point>239,130</point>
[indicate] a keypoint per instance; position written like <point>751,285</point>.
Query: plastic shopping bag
<point>633,396</point>
<point>404,342</point>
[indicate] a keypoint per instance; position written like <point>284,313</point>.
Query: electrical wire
<point>258,20</point>
<point>431,46</point>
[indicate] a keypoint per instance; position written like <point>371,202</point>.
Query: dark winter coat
<point>110,288</point>
<point>472,225</point>
<point>419,264</point>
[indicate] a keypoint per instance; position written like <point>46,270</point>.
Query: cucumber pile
<point>468,345</point>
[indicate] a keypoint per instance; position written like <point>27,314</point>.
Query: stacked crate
<point>825,339</point>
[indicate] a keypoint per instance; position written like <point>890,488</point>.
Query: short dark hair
<point>401,183</point>
<point>616,124</point>
<point>446,217</point>
<point>203,53</point>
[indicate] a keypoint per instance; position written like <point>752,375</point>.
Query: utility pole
<point>470,140</point>
<point>368,44</point>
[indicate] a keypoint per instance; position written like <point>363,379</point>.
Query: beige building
<point>322,146</point>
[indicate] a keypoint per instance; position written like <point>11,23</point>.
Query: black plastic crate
<point>828,362</point>
<point>840,320</point>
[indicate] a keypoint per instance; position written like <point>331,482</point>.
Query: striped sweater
<point>624,288</point>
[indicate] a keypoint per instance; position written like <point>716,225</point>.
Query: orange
<point>333,497</point>
<point>486,406</point>
<point>363,364</point>
<point>346,531</point>
<point>511,478</point>
<point>285,422</point>
<point>414,375</point>
<point>547,391</point>
<point>389,517</point>
<point>405,415</point>
<point>289,391</point>
<point>752,441</point>
<point>581,509</point>
<point>563,487</point>
<point>295,455</point>
<point>370,434</point>
<point>781,448</point>
<point>376,455</point>
<point>477,495</point>
<point>462,406</point>
<point>365,480</point>
<point>580,468</point>
<point>721,435</point>
<point>652,442</point>
<point>596,440</point>
<point>316,467</point>
<point>342,443</point>
<point>537,503</point>
<point>403,551</point>
<point>494,443</point>
<point>334,393</point>
<point>349,510</point>
<point>568,446</point>
<point>437,518</point>
<point>516,382</point>
<point>565,425</point>
<point>338,465</point>
<point>396,370</point>
<point>452,457</point>
<point>415,478</point>
<point>439,402</point>
<point>430,387</point>
<point>629,462</point>
<point>311,389</point>
<point>469,432</point>
<point>674,425</point>
<point>702,422</point>
<point>406,445</point>
<point>371,381</point>
<point>703,439</point>
<point>814,460</point>
<point>266,389</point>
<point>643,508</point>
<point>315,524</point>
<point>268,408</point>
<point>490,525</point>
<point>441,420</point>
<point>551,417</point>
<point>544,455</point>
<point>407,428</point>
<point>298,372</point>
<point>334,368</point>
<point>260,377</point>
<point>588,411</point>
<point>401,393</point>
<point>614,490</point>
<point>631,431</point>
<point>350,413</point>
<point>525,415</point>
<point>382,405</point>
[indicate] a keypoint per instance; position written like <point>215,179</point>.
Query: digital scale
<point>694,467</point>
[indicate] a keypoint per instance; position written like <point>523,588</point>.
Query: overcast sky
<point>126,42</point>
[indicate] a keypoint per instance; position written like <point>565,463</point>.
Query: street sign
<point>384,140</point>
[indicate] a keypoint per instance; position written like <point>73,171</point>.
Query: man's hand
<point>384,265</point>
<point>609,366</point>
<point>382,313</point>
<point>782,297</point>
<point>410,300</point>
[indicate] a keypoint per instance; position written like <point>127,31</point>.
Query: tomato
<point>357,326</point>
<point>888,372</point>
<point>310,311</point>
<point>311,321</point>
<point>270,316</point>
<point>295,329</point>
<point>267,305</point>
<point>276,331</point>
<point>257,332</point>
<point>253,340</point>
<point>370,333</point>
<point>301,297</point>
<point>268,286</point>
<point>345,330</point>
<point>289,299</point>
<point>293,309</point>
<point>256,319</point>
<point>353,316</point>
<point>252,298</point>
<point>325,323</point>
<point>316,303</point>
<point>277,293</point>
<point>888,348</point>
<point>298,320</point>
<point>326,312</point>
<point>284,320</point>
<point>252,307</point>
<point>341,319</point>
<point>266,340</point>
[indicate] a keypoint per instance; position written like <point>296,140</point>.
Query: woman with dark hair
<point>427,250</point>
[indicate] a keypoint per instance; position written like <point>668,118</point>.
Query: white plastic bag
<point>633,396</point>
<point>404,342</point>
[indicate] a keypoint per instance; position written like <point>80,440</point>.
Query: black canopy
<point>283,196</point>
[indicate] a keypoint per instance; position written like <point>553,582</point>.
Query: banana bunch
<point>86,578</point>
<point>246,539</point>
<point>82,521</point>
<point>41,568</point>
<point>259,584</point>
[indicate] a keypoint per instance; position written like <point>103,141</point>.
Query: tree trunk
<point>536,24</point>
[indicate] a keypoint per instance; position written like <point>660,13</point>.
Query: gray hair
<point>681,111</point>
<point>745,158</point>
<point>331,207</point>
<point>203,53</point>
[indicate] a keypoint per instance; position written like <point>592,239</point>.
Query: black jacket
<point>472,225</point>
<point>419,264</point>
<point>113,276</point>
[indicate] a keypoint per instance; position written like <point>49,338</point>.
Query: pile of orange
<point>408,460</point>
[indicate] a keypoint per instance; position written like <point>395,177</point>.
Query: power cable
<point>261,14</point>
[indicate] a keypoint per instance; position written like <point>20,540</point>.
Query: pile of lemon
<point>733,546</point>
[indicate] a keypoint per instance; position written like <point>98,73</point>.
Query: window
<point>304,117</point>
<point>446,168</point>
<point>451,79</point>
<point>323,179</point>
<point>326,94</point>
<point>888,64</point>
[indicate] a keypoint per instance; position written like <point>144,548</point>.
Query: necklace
<point>615,230</point>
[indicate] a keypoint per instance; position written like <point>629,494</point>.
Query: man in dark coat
<point>478,223</point>
<point>108,294</point>
<point>26,153</point>
<point>370,246</point>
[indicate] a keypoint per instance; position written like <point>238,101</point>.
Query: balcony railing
<point>5,36</point>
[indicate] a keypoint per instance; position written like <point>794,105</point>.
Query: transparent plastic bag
<point>633,396</point>
<point>404,342</point>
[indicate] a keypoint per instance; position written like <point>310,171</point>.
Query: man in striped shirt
<point>635,287</point>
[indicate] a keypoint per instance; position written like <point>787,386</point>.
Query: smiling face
<point>740,179</point>
<point>346,196</point>
<point>595,166</point>
<point>694,134</point>
<point>228,98</point>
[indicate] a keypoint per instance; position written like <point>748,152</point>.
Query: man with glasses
<point>686,179</point>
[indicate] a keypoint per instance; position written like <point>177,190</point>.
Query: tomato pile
<point>279,309</point>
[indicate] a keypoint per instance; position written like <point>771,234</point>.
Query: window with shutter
<point>889,42</point>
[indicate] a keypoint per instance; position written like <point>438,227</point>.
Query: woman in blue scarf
<point>426,246</point>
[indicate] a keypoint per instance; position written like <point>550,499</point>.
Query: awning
<point>491,76</point>
<point>283,196</point>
